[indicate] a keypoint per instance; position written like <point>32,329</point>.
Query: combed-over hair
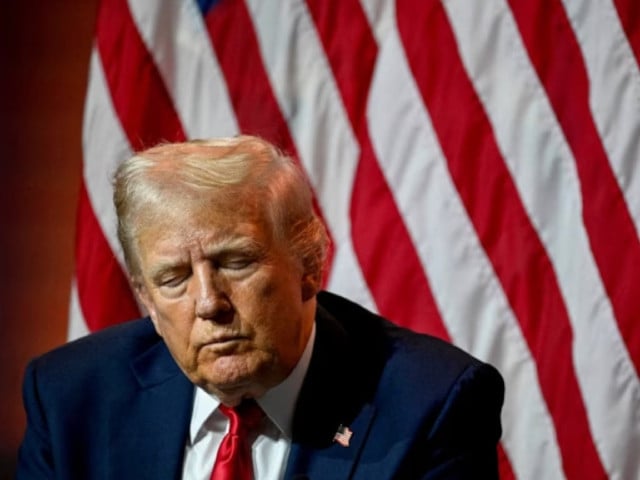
<point>241,169</point>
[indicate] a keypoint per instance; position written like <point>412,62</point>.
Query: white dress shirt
<point>270,444</point>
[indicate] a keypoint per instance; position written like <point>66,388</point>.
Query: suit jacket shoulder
<point>417,406</point>
<point>96,404</point>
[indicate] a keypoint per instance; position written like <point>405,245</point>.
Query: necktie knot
<point>233,461</point>
<point>243,418</point>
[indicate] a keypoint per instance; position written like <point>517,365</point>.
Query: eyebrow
<point>231,244</point>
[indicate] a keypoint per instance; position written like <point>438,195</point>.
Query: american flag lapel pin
<point>343,435</point>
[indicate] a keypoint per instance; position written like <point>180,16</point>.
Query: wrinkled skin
<point>233,305</point>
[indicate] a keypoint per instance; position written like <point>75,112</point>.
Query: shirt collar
<point>278,403</point>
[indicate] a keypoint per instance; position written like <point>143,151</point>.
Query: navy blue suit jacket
<point>114,405</point>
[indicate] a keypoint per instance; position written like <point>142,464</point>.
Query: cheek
<point>175,325</point>
<point>275,288</point>
<point>170,317</point>
<point>274,312</point>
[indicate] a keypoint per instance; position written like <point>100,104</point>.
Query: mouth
<point>223,343</point>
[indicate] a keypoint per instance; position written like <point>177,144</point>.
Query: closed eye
<point>171,278</point>
<point>236,263</point>
<point>172,282</point>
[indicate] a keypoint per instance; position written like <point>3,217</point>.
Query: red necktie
<point>233,461</point>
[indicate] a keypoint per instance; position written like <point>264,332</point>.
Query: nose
<point>211,300</point>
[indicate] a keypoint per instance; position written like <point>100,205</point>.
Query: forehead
<point>193,217</point>
<point>174,202</point>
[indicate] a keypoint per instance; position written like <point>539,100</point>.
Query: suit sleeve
<point>35,455</point>
<point>462,442</point>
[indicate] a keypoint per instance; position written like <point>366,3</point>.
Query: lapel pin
<point>343,435</point>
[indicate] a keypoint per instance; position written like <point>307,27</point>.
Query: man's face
<point>231,303</point>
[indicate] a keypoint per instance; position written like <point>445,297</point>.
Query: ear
<point>143,296</point>
<point>310,286</point>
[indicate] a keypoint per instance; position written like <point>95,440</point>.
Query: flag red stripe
<point>629,14</point>
<point>351,49</point>
<point>511,242</point>
<point>552,45</point>
<point>395,275</point>
<point>139,95</point>
<point>257,111</point>
<point>505,468</point>
<point>103,290</point>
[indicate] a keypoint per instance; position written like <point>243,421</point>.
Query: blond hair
<point>243,167</point>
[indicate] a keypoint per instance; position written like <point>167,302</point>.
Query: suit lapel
<point>334,461</point>
<point>336,391</point>
<point>148,430</point>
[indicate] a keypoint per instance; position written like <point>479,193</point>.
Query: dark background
<point>44,58</point>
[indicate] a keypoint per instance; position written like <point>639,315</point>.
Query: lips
<point>228,339</point>
<point>225,339</point>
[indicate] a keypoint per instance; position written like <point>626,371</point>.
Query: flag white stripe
<point>381,16</point>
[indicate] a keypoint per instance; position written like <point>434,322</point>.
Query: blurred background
<point>44,59</point>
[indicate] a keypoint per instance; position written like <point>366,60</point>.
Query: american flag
<point>343,436</point>
<point>477,164</point>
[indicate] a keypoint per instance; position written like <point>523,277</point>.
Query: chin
<point>238,376</point>
<point>229,372</point>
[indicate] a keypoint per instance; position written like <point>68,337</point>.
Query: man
<point>225,253</point>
